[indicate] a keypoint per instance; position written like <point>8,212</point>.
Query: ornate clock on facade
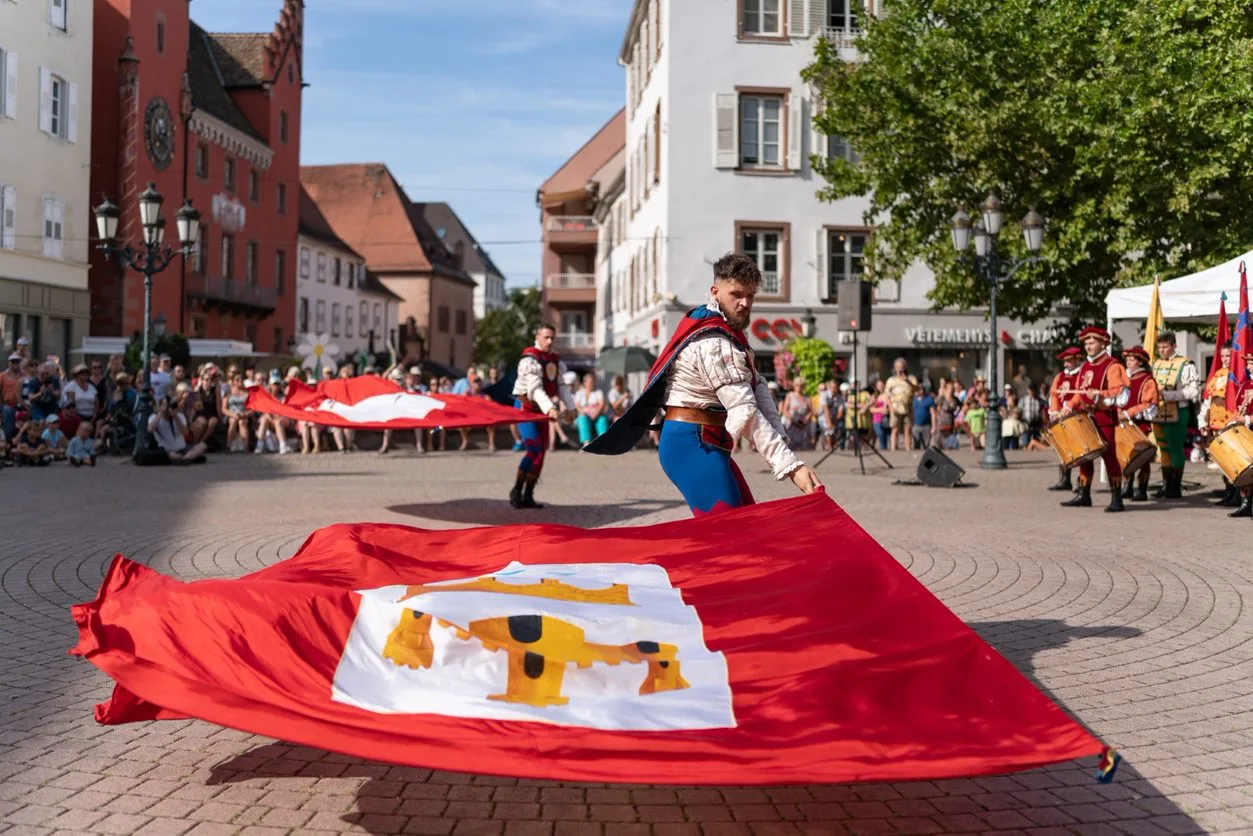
<point>159,133</point>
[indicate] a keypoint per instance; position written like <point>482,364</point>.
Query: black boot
<point>1245,509</point>
<point>515,495</point>
<point>1115,499</point>
<point>528,495</point>
<point>1160,491</point>
<point>1081,499</point>
<point>1231,495</point>
<point>1142,489</point>
<point>1063,481</point>
<point>1174,487</point>
<point>1129,489</point>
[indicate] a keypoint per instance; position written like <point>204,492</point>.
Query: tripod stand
<point>856,425</point>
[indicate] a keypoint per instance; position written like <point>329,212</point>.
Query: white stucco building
<point>719,140</point>
<point>45,166</point>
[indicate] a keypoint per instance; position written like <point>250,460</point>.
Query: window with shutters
<point>352,275</point>
<point>335,319</point>
<point>58,106</point>
<point>762,121</point>
<point>304,262</point>
<point>8,84</point>
<point>443,319</point>
<point>302,315</point>
<point>57,14</point>
<point>378,318</point>
<point>337,267</point>
<point>250,262</point>
<point>767,243</point>
<point>349,311</point>
<point>280,271</point>
<point>322,267</point>
<point>254,186</point>
<point>228,175</point>
<point>365,317</point>
<point>54,227</point>
<point>228,256</point>
<point>320,316</point>
<point>846,256</point>
<point>8,218</point>
<point>840,148</point>
<point>656,174</point>
<point>842,17</point>
<point>761,19</point>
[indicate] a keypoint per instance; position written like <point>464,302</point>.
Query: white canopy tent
<point>1191,298</point>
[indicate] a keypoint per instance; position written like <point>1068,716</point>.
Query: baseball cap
<point>15,356</point>
<point>23,340</point>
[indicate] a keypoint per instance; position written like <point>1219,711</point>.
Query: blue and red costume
<point>695,457</point>
<point>535,433</point>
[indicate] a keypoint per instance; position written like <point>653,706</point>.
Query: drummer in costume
<point>1141,409</point>
<point>1212,417</point>
<point>1059,394</point>
<point>1244,415</point>
<point>1103,389</point>
<point>539,389</point>
<point>708,393</point>
<point>1180,385</point>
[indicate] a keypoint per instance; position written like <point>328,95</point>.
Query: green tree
<point>174,345</point>
<point>814,360</point>
<point>1129,126</point>
<point>500,337</point>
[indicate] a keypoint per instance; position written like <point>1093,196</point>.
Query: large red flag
<point>1241,341</point>
<point>773,644</point>
<point>370,402</point>
<point>1223,338</point>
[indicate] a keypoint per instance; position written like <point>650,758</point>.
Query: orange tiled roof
<point>367,209</point>
<point>574,174</point>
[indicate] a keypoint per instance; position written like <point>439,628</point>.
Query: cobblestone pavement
<point>1136,623</point>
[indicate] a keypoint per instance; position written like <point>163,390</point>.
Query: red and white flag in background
<point>772,644</point>
<point>370,402</point>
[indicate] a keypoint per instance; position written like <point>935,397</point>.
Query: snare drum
<point>1075,439</point>
<point>1135,450</point>
<point>1232,450</point>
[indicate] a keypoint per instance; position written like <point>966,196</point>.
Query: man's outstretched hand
<point>805,479</point>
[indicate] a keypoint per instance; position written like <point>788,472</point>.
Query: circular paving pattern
<point>1135,623</point>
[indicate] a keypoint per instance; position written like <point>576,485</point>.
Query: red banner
<point>373,403</point>
<point>773,644</point>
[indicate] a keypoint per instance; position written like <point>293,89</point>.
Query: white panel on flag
<point>599,645</point>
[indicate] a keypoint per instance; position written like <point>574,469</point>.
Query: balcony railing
<point>570,281</point>
<point>218,289</point>
<point>841,36</point>
<point>573,340</point>
<point>571,223</point>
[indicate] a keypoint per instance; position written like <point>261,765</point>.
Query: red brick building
<point>214,118</point>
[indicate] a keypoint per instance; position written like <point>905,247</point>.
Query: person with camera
<point>169,428</point>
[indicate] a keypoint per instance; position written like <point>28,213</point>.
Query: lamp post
<point>151,258</point>
<point>985,230</point>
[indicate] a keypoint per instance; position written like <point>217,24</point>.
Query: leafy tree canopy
<point>500,337</point>
<point>1128,125</point>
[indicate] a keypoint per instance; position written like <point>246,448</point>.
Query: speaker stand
<point>857,445</point>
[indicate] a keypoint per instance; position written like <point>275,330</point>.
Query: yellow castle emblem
<point>539,647</point>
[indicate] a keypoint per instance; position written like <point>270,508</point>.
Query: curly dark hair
<point>737,267</point>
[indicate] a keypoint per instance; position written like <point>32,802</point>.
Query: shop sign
<point>777,329</point>
<point>229,213</point>
<point>978,336</point>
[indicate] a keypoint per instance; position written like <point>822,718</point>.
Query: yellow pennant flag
<point>1153,326</point>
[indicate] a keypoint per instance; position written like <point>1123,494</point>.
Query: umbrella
<point>625,360</point>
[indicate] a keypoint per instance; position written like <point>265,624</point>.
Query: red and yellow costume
<point>1064,383</point>
<point>1243,415</point>
<point>1142,408</point>
<point>1103,388</point>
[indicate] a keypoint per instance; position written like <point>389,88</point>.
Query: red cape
<point>836,664</point>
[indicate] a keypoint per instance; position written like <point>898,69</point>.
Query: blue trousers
<point>697,459</point>
<point>589,430</point>
<point>534,444</point>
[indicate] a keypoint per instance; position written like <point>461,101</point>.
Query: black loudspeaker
<point>853,300</point>
<point>937,470</point>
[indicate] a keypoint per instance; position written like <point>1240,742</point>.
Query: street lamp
<point>985,230</point>
<point>154,257</point>
<point>809,323</point>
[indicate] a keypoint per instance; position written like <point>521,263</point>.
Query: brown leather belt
<point>689,415</point>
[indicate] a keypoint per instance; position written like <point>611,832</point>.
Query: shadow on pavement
<point>1066,796</point>
<point>500,512</point>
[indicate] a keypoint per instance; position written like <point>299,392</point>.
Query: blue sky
<point>472,102</point>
